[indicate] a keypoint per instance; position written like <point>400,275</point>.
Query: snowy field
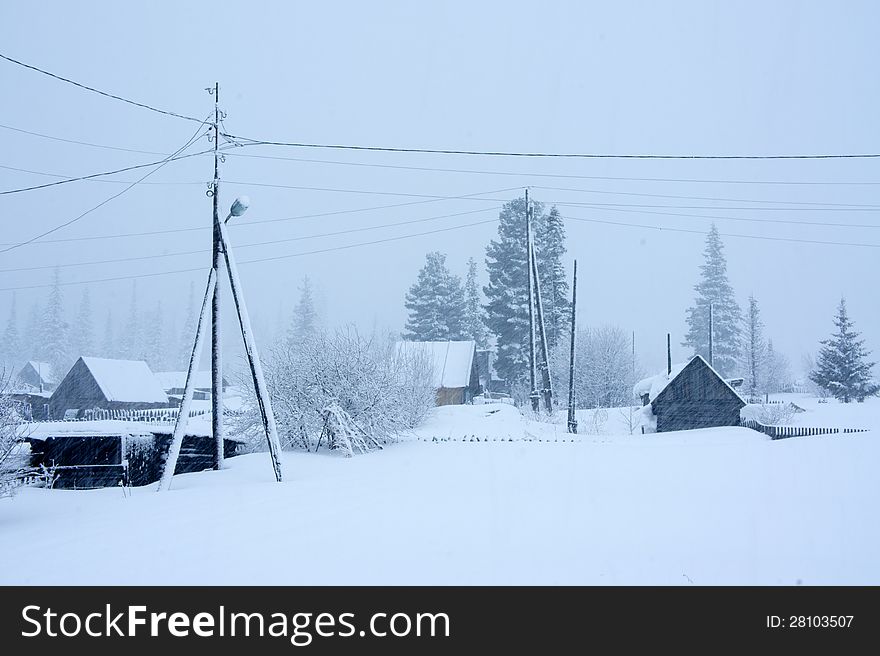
<point>719,506</point>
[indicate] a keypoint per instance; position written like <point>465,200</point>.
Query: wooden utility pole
<point>546,385</point>
<point>572,417</point>
<point>711,337</point>
<point>668,353</point>
<point>533,391</point>
<point>216,264</point>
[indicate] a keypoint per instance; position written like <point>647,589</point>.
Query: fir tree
<point>755,350</point>
<point>55,332</point>
<point>714,288</point>
<point>549,250</point>
<point>108,345</point>
<point>32,342</point>
<point>11,345</point>
<point>474,326</point>
<point>842,367</point>
<point>154,346</point>
<point>82,338</point>
<point>435,303</point>
<point>305,317</point>
<point>130,345</point>
<point>507,308</point>
<point>188,335</point>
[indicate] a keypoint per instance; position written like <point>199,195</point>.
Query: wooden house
<point>174,383</point>
<point>693,395</point>
<point>105,453</point>
<point>37,377</point>
<point>454,367</point>
<point>94,383</point>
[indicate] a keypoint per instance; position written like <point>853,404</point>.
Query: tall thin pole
<point>572,417</point>
<point>533,391</point>
<point>668,353</point>
<point>250,347</point>
<point>546,385</point>
<point>216,334</point>
<point>711,337</point>
<point>186,402</point>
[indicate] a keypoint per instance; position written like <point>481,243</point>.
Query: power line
<point>282,219</point>
<point>59,175</point>
<point>104,202</point>
<point>533,174</point>
<point>82,143</point>
<point>723,234</point>
<point>169,158</point>
<point>255,261</point>
<point>491,153</point>
<point>251,245</point>
<point>98,91</point>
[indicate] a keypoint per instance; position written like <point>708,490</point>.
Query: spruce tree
<point>108,345</point>
<point>755,350</point>
<point>131,343</point>
<point>474,326</point>
<point>188,335</point>
<point>714,288</point>
<point>507,308</point>
<point>549,251</point>
<point>10,354</point>
<point>435,303</point>
<point>55,331</point>
<point>842,367</point>
<point>82,337</point>
<point>305,317</point>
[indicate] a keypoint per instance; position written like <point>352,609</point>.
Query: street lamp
<point>239,207</point>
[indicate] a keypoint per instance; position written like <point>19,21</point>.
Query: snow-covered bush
<point>776,414</point>
<point>15,469</point>
<point>343,390</point>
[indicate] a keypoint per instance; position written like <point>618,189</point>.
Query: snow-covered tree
<point>755,351</point>
<point>14,461</point>
<point>188,335</point>
<point>31,341</point>
<point>131,342</point>
<point>82,334</point>
<point>843,368</point>
<point>435,303</point>
<point>474,326</point>
<point>305,317</point>
<point>507,307</point>
<point>10,353</point>
<point>55,331</point>
<point>714,288</point>
<point>549,251</point>
<point>777,370</point>
<point>344,391</point>
<point>154,341</point>
<point>605,373</point>
<point>108,343</point>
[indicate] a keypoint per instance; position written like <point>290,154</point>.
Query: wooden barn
<point>95,383</point>
<point>32,406</point>
<point>693,395</point>
<point>93,454</point>
<point>454,365</point>
<point>36,376</point>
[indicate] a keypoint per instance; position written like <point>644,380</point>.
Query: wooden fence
<point>784,432</point>
<point>151,416</point>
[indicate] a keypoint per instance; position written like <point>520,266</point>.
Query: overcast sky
<point>646,77</point>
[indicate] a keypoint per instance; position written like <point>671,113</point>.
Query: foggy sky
<point>676,78</point>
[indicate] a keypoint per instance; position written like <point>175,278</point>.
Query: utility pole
<point>572,418</point>
<point>533,391</point>
<point>711,336</point>
<point>668,353</point>
<point>546,386</point>
<point>216,263</point>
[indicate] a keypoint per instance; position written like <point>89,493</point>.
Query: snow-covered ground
<point>720,506</point>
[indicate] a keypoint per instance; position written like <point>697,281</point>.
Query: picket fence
<point>150,416</point>
<point>784,432</point>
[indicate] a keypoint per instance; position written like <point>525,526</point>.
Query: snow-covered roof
<point>196,426</point>
<point>177,379</point>
<point>44,370</point>
<point>654,385</point>
<point>126,380</point>
<point>451,361</point>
